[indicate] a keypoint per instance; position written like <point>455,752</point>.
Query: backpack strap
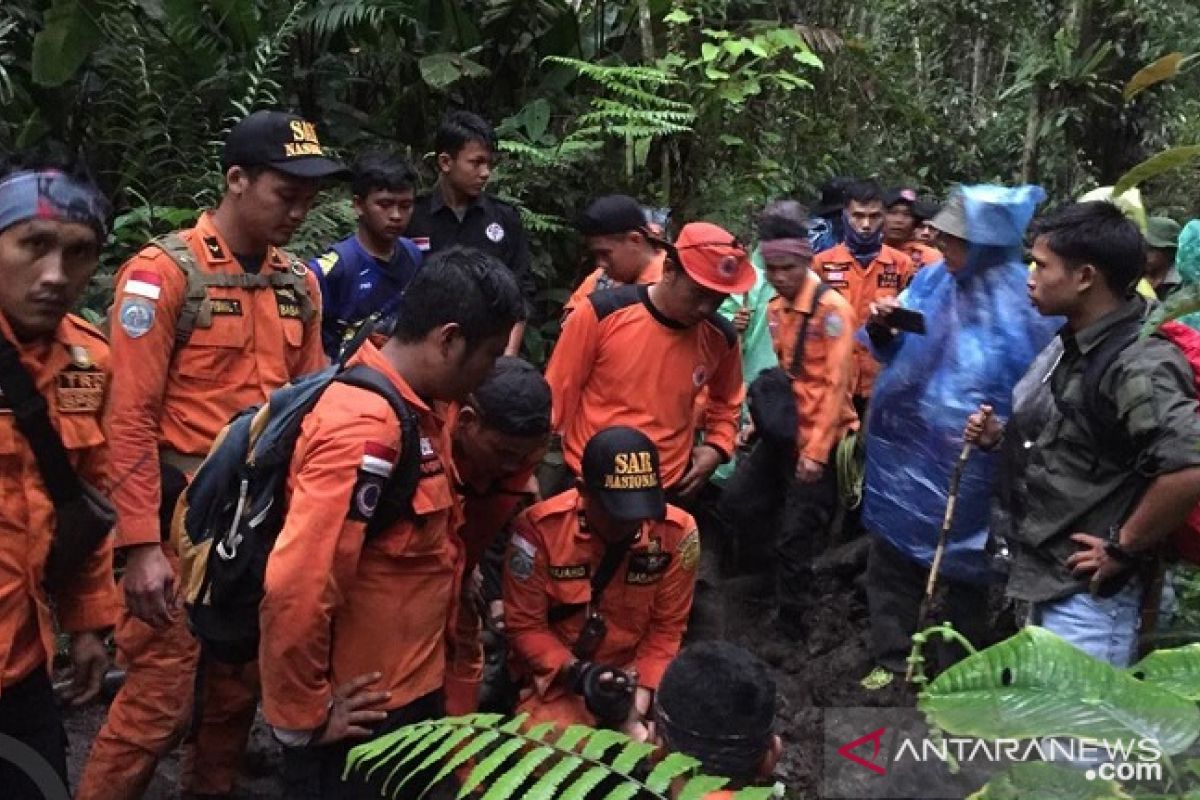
<point>396,501</point>
<point>796,370</point>
<point>196,311</point>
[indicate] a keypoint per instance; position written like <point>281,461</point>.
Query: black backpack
<point>231,514</point>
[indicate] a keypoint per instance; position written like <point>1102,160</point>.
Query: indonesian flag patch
<point>144,283</point>
<point>378,459</point>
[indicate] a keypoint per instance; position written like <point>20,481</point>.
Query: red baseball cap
<point>714,258</point>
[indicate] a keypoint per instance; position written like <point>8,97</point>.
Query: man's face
<point>622,256</point>
<point>46,265</point>
<point>898,223</point>
<point>492,455</point>
<point>467,367</point>
<point>955,250</point>
<point>603,524</point>
<point>690,302</point>
<point>469,171</point>
<point>385,213</point>
<point>1054,286</point>
<point>925,233</point>
<point>1159,260</point>
<point>786,274</point>
<point>865,218</point>
<point>273,205</point>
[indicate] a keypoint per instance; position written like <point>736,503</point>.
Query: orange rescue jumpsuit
<point>550,562</point>
<point>164,399</point>
<point>622,363</point>
<point>823,389</point>
<point>70,369</point>
<point>599,278</point>
<point>886,276</point>
<point>922,255</point>
<point>338,606</point>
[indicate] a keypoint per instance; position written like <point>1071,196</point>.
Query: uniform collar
<point>886,256</point>
<point>1091,336</point>
<point>437,200</point>
<point>803,300</point>
<point>582,533</point>
<point>40,353</point>
<point>369,354</point>
<point>216,252</point>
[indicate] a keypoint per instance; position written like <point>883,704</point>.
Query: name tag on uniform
<point>646,568</point>
<point>79,391</point>
<point>570,572</point>
<point>226,305</point>
<point>289,306</point>
<point>835,276</point>
<point>889,279</point>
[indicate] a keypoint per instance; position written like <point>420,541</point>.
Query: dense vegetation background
<point>710,107</point>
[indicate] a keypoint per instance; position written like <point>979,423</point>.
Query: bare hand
<point>881,309</point>
<point>808,471</point>
<point>746,434</point>
<point>1091,560</point>
<point>705,460</point>
<point>741,320</point>
<point>149,584</point>
<point>89,660</point>
<point>495,612</point>
<point>353,709</point>
<point>983,429</point>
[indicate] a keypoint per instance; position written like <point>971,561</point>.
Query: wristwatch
<point>1114,550</point>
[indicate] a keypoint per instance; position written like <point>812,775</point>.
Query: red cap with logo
<point>714,258</point>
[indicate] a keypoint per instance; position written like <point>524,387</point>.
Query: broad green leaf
<point>68,37</point>
<point>1038,779</point>
<point>441,70</point>
<point>699,786</point>
<point>755,793</point>
<point>547,786</point>
<point>581,786</point>
<point>1161,70</point>
<point>512,779</point>
<point>630,756</point>
<point>678,17</point>
<point>484,769</point>
<point>1177,670</point>
<point>709,51</point>
<point>1154,166</point>
<point>670,768</point>
<point>1034,684</point>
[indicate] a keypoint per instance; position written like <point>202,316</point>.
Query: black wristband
<point>1114,551</point>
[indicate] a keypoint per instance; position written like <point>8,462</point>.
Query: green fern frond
<point>528,762</point>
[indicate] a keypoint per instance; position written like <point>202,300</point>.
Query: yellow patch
<point>689,551</point>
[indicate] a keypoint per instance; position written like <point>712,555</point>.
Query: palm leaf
<point>1177,670</point>
<point>1034,684</point>
<point>1040,779</point>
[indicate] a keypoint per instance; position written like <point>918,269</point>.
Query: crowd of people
<point>450,495</point>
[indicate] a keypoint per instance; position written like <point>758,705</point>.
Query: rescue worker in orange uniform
<point>863,269</point>
<point>52,226</point>
<point>716,703</point>
<point>812,332</point>
<point>924,210</point>
<point>598,583</point>
<point>498,435</point>
<point>206,322</point>
<point>640,355</point>
<point>354,630</point>
<point>900,228</point>
<point>620,243</point>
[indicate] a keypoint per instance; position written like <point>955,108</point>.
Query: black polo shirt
<point>488,224</point>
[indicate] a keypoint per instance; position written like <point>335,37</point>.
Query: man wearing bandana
<point>206,322</point>
<point>864,270</point>
<point>52,226</point>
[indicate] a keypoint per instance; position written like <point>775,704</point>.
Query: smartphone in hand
<point>905,319</point>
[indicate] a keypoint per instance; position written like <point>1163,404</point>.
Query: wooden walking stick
<point>947,523</point>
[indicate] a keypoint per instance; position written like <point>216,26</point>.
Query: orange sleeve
<point>314,352</point>
<point>139,379</point>
<point>316,554</point>
<point>571,363</point>
<point>91,601</point>
<point>668,618</point>
<point>838,368</point>
<point>526,604</point>
<point>580,295</point>
<point>723,412</point>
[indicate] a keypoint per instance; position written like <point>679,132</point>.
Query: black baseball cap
<point>900,194</point>
<point>611,214</point>
<point>925,209</point>
<point>620,466</point>
<point>284,142</point>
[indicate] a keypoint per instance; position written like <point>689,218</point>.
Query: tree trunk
<point>1033,124</point>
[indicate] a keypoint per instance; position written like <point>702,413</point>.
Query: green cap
<point>1162,232</point>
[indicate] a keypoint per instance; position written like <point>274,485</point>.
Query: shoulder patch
<point>136,316</point>
<point>609,301</point>
<point>327,262</point>
<point>689,550</point>
<point>834,324</point>
<point>725,327</point>
<point>520,559</point>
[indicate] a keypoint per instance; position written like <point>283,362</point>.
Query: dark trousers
<point>895,586</point>
<point>29,713</point>
<point>315,773</point>
<point>808,509</point>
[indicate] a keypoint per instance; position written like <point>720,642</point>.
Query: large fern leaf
<point>513,759</point>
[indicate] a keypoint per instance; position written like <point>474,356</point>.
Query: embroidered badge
<point>136,316</point>
<point>689,551</point>
<point>646,568</point>
<point>495,232</point>
<point>727,266</point>
<point>834,325</point>
<point>377,459</point>
<point>422,243</point>
<point>570,572</point>
<point>214,247</point>
<point>144,283</point>
<point>79,391</point>
<point>520,561</point>
<point>225,305</point>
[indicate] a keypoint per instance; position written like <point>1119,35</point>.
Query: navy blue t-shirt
<point>355,284</point>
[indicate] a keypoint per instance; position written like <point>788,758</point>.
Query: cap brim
<point>312,167</point>
<point>744,282</point>
<point>1161,244</point>
<point>950,223</point>
<point>631,506</point>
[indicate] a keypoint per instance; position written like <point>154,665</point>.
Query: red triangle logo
<point>875,737</point>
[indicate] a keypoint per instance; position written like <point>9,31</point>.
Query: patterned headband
<point>51,194</point>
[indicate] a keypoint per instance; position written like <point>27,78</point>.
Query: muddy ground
<point>813,678</point>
